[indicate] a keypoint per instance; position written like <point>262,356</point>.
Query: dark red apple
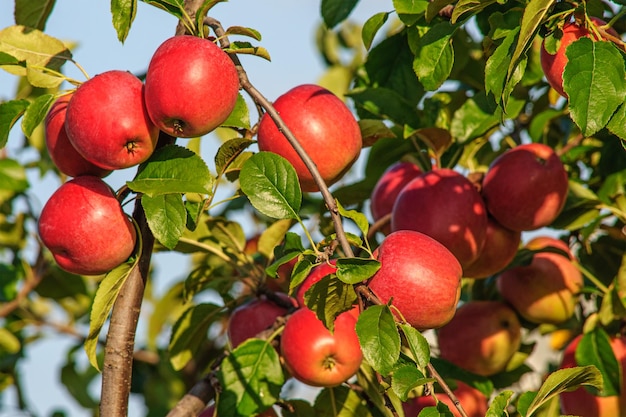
<point>546,291</point>
<point>421,276</point>
<point>191,86</point>
<point>481,337</point>
<point>388,187</point>
<point>525,187</point>
<point>323,125</point>
<point>474,402</point>
<point>84,227</point>
<point>251,318</point>
<point>62,152</point>
<point>107,122</point>
<point>447,207</point>
<point>315,356</point>
<point>500,247</point>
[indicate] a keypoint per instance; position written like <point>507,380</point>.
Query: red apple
<point>315,356</point>
<point>447,207</point>
<point>481,337</point>
<point>191,86</point>
<point>323,125</point>
<point>525,187</point>
<point>84,227</point>
<point>62,152</point>
<point>251,318</point>
<point>107,122</point>
<point>473,402</point>
<point>388,187</point>
<point>554,65</point>
<point>581,402</point>
<point>316,274</point>
<point>421,276</point>
<point>546,291</point>
<point>500,247</point>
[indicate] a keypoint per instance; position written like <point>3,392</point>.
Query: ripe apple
<point>481,337</point>
<point>84,227</point>
<point>323,125</point>
<point>316,274</point>
<point>473,401</point>
<point>107,122</point>
<point>315,356</point>
<point>554,65</point>
<point>447,207</point>
<point>581,402</point>
<point>62,152</point>
<point>525,187</point>
<point>500,247</point>
<point>421,276</point>
<point>388,187</point>
<point>191,86</point>
<point>546,291</point>
<point>251,318</point>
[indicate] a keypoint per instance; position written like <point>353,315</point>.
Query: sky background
<point>288,29</point>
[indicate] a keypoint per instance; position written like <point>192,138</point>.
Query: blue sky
<point>287,28</point>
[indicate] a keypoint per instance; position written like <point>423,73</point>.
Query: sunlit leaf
<point>10,112</point>
<point>355,270</point>
<point>36,113</point>
<point>434,55</point>
<point>595,349</point>
<point>229,151</point>
<point>340,401</point>
<point>123,12</point>
<point>371,28</point>
<point>336,11</point>
<point>239,118</point>
<point>166,216</point>
<point>379,338</point>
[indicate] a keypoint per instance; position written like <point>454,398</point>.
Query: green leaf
<point>497,65</point>
<point>244,31</point>
<point>410,11</point>
<point>123,12</point>
<point>172,169</point>
<point>617,124</point>
<point>33,13</point>
<point>594,81</point>
<point>272,186</point>
<point>405,378</point>
<point>418,345</point>
<point>39,51</point>
<point>359,218</point>
<point>567,379</point>
<point>12,176</point>
<point>10,112</point>
<point>379,338</point>
<point>106,294</point>
<point>272,237</point>
<point>173,7</point>
<point>499,404</point>
<point>238,47</point>
<point>239,118</point>
<point>167,216</point>
<point>229,151</point>
<point>595,349</point>
<point>9,343</point>
<point>36,113</point>
<point>340,401</point>
<point>190,331</point>
<point>328,298</point>
<point>371,28</point>
<point>336,11</point>
<point>473,118</point>
<point>469,6</point>
<point>355,270</point>
<point>434,55</point>
<point>251,378</point>
<point>386,104</point>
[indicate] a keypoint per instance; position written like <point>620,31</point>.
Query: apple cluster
<point>112,121</point>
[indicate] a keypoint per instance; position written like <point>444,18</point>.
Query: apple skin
<point>315,356</point>
<point>251,318</point>
<point>473,401</point>
<point>447,207</point>
<point>554,65</point>
<point>481,337</point>
<point>323,125</point>
<point>388,187</point>
<point>581,402</point>
<point>501,245</point>
<point>191,86</point>
<point>65,157</point>
<point>421,276</point>
<point>525,188</point>
<point>85,228</point>
<point>107,122</point>
<point>546,291</point>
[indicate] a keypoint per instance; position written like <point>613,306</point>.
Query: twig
<point>446,389</point>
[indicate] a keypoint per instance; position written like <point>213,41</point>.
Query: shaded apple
<point>84,227</point>
<point>388,187</point>
<point>323,125</point>
<point>107,122</point>
<point>546,290</point>
<point>63,154</point>
<point>500,247</point>
<point>481,337</point>
<point>315,356</point>
<point>420,276</point>
<point>474,402</point>
<point>447,207</point>
<point>191,86</point>
<point>525,188</point>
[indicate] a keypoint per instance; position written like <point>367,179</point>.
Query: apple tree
<point>442,215</point>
